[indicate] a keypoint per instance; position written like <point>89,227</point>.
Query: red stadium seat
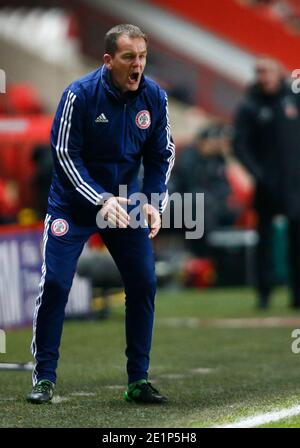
<point>23,99</point>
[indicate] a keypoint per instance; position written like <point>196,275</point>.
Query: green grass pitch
<point>213,368</point>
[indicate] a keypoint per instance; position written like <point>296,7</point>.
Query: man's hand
<point>153,219</point>
<point>113,212</point>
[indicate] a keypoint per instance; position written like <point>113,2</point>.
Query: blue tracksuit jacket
<point>100,137</point>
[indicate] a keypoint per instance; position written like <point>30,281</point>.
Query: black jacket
<point>267,142</point>
<point>195,173</point>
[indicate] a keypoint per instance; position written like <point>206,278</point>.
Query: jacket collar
<point>106,80</point>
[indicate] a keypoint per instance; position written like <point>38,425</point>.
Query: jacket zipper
<point>124,128</point>
<point>123,141</point>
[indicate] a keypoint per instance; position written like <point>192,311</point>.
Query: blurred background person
<point>267,142</point>
<point>201,168</point>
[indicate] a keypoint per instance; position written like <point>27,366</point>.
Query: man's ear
<point>107,59</point>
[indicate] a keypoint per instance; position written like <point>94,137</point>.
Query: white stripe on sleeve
<point>170,147</point>
<point>64,157</point>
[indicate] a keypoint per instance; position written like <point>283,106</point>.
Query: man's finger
<point>121,219</point>
<point>120,210</point>
<point>116,209</point>
<point>156,220</point>
<point>115,215</point>
<point>122,200</point>
<point>104,212</point>
<point>112,220</point>
<point>153,232</point>
<point>116,222</point>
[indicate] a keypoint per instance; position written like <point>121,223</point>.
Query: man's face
<point>128,62</point>
<point>268,75</point>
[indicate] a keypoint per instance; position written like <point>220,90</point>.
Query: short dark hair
<point>111,37</point>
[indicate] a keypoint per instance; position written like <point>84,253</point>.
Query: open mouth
<point>133,77</point>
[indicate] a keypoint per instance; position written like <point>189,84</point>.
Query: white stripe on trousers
<point>39,297</point>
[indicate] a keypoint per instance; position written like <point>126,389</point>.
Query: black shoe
<point>142,391</point>
<point>42,392</point>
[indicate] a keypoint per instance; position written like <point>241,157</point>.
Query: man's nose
<point>136,62</point>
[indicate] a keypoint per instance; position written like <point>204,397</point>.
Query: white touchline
<point>115,386</point>
<point>262,419</point>
<point>83,394</point>
<point>202,370</point>
<point>58,399</point>
<point>16,366</point>
<point>173,376</point>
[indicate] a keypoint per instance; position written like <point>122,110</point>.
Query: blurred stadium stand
<point>236,21</point>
